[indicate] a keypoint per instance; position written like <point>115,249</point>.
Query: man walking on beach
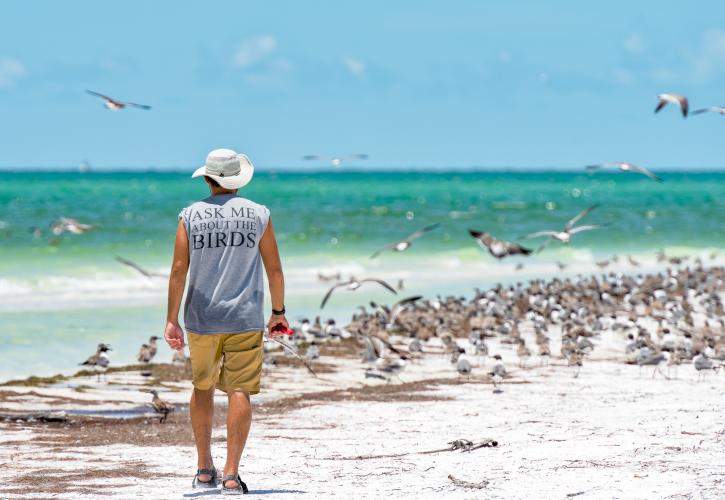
<point>221,242</point>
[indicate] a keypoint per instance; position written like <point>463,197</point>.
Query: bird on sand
<point>565,234</point>
<point>497,248</point>
<point>386,368</point>
<point>99,361</point>
<point>464,366</point>
<point>382,366</point>
<point>498,374</point>
<point>133,265</point>
<point>702,364</point>
<point>523,353</point>
<point>405,243</point>
<point>336,161</point>
<point>178,358</point>
<point>710,109</point>
<point>313,352</point>
<point>353,284</point>
<point>144,356</point>
<point>665,99</point>
<point>655,360</point>
<point>624,167</point>
<point>116,105</point>
<point>161,406</point>
<point>575,359</point>
<point>544,353</point>
<point>148,350</point>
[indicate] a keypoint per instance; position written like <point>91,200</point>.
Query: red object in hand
<point>279,327</point>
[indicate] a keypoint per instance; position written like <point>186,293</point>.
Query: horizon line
<point>332,169</point>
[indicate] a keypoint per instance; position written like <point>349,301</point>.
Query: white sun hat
<point>230,169</point>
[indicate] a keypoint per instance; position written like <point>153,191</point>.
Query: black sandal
<point>211,483</point>
<point>240,489</point>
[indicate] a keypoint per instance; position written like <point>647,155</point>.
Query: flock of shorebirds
<point>661,320</point>
<point>656,320</point>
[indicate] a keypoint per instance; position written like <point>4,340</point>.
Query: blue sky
<point>412,83</point>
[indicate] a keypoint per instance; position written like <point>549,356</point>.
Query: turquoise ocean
<point>59,298</point>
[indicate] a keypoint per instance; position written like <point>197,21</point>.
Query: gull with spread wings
<point>133,265</point>
<point>404,244</point>
<point>336,161</point>
<point>116,105</point>
<point>665,99</point>
<point>710,109</point>
<point>625,167</point>
<point>497,248</point>
<point>566,233</point>
<point>353,284</point>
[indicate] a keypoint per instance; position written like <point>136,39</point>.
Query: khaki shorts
<point>231,361</point>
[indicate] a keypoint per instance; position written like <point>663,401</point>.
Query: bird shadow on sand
<point>217,491</point>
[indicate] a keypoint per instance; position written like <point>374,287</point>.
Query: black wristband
<point>279,313</point>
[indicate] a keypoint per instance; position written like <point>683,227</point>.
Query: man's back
<point>225,293</point>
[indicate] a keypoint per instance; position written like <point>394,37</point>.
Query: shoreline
<point>75,341</point>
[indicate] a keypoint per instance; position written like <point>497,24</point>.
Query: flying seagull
<point>353,284</point>
<point>711,109</point>
<point>70,225</point>
<point>625,167</point>
<point>404,244</point>
<point>140,269</point>
<point>680,100</point>
<point>497,248</point>
<point>115,105</point>
<point>565,234</point>
<point>336,161</point>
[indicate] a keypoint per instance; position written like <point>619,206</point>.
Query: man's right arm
<point>173,334</point>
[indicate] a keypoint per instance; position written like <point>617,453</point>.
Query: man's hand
<point>174,336</point>
<point>276,321</point>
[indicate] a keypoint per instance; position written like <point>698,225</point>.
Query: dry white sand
<point>610,433</point>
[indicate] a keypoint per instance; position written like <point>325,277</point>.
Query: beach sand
<point>609,433</point>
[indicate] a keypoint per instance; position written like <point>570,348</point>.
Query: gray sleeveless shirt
<point>226,288</point>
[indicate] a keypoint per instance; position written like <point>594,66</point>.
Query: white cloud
<point>709,60</point>
<point>273,72</point>
<point>634,44</point>
<point>254,50</point>
<point>623,76</point>
<point>505,56</point>
<point>11,70</point>
<point>355,66</point>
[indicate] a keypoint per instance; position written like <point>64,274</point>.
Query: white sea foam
<point>454,272</point>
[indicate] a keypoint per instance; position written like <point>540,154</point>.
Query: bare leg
<point>239,420</point>
<point>202,412</point>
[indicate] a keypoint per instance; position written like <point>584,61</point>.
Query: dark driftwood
<point>459,444</point>
<point>466,484</point>
<point>55,416</point>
